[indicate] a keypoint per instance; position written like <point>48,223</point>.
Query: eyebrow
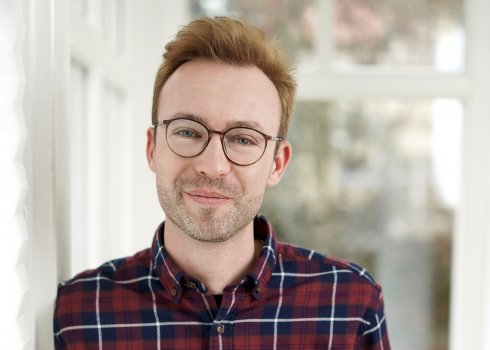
<point>229,125</point>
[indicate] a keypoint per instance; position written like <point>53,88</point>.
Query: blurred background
<point>388,118</point>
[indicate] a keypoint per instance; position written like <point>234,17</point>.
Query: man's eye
<point>244,140</point>
<point>187,133</point>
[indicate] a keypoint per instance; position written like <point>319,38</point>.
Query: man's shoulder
<point>309,262</point>
<point>80,298</point>
<point>114,272</point>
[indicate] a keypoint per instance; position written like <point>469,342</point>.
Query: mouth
<point>206,197</point>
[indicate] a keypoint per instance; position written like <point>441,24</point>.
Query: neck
<point>216,264</point>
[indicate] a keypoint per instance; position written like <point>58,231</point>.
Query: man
<point>215,277</point>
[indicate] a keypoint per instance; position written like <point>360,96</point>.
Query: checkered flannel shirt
<point>293,298</point>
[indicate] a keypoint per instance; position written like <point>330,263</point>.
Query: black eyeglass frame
<point>167,122</point>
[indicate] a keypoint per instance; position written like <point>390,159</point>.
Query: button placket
<point>219,336</point>
<point>175,293</point>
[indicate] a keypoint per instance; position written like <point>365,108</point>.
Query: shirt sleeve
<point>58,345</point>
<point>58,342</point>
<point>375,335</point>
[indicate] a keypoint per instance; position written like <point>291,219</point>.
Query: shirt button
<point>173,291</point>
<point>220,329</point>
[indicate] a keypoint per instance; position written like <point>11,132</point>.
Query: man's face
<point>206,196</point>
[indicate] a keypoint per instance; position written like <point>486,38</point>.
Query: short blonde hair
<point>233,42</point>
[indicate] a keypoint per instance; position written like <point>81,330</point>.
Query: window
<point>98,135</point>
<point>377,135</point>
<point>376,181</point>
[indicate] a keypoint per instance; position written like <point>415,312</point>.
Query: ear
<point>150,148</point>
<point>281,161</point>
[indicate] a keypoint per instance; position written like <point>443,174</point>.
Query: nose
<point>212,162</point>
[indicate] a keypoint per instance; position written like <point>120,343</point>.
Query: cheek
<point>167,163</point>
<point>256,181</point>
<point>165,173</point>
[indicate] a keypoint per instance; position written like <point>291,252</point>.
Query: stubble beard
<point>206,225</point>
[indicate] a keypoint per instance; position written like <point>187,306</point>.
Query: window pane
<point>113,199</point>
<point>120,26</point>
<point>114,14</point>
<point>422,34</point>
<point>419,33</point>
<point>80,8</point>
<point>376,181</point>
<point>293,22</point>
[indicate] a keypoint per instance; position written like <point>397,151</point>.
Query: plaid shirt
<point>293,298</point>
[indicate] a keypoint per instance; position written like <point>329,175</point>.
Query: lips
<point>206,197</point>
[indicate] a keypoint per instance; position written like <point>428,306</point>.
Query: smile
<point>207,197</point>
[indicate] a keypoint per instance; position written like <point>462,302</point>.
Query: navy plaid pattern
<point>293,298</point>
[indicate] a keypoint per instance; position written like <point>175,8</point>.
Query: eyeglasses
<point>242,145</point>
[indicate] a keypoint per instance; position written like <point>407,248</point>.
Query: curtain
<point>15,302</point>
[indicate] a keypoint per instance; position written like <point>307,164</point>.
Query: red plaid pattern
<point>293,298</point>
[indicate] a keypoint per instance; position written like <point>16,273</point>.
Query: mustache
<point>222,186</point>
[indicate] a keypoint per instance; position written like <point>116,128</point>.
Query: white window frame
<point>47,57</point>
<point>47,85</point>
<point>470,290</point>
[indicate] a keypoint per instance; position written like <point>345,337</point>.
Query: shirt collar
<point>173,278</point>
<point>261,271</point>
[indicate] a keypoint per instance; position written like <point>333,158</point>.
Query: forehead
<point>221,94</point>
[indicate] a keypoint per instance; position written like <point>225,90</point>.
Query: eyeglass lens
<point>188,138</point>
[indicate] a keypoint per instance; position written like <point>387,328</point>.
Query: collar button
<point>191,285</point>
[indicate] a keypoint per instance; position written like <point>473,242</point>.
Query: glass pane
<point>419,33</point>
<point>291,21</point>
<point>120,32</point>
<point>376,181</point>
<point>111,164</point>
<point>114,24</point>
<point>80,8</point>
<point>87,13</point>
<point>427,34</point>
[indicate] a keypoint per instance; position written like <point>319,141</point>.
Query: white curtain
<point>15,302</point>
